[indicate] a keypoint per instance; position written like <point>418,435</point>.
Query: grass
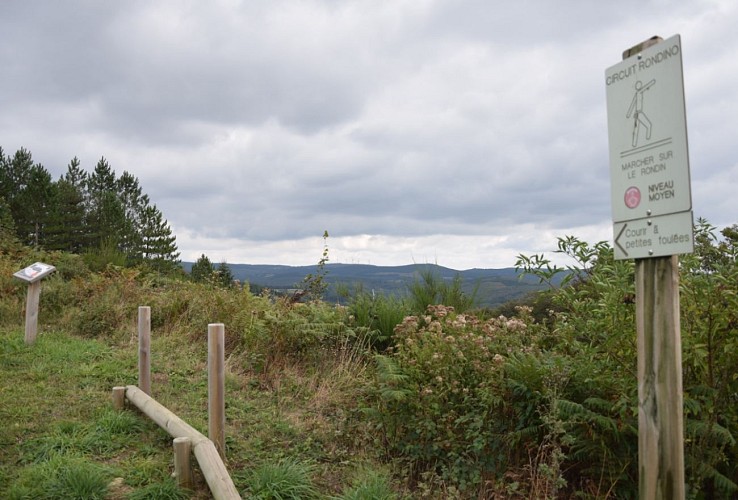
<point>288,479</point>
<point>65,476</point>
<point>55,397</point>
<point>369,485</point>
<point>290,428</point>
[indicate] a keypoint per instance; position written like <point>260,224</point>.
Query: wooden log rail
<point>212,466</point>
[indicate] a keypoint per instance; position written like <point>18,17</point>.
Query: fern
<point>391,379</point>
<point>577,412</point>
<point>600,404</point>
<point>721,482</point>
<point>524,435</point>
<point>711,431</point>
<point>389,371</point>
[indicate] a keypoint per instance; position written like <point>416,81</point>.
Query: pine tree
<point>223,275</point>
<point>14,178</point>
<point>7,226</point>
<point>8,241</point>
<point>157,243</point>
<point>5,184</point>
<point>102,179</point>
<point>135,204</point>
<point>27,189</point>
<point>105,212</point>
<point>75,175</point>
<point>202,270</point>
<point>67,230</point>
<point>7,223</point>
<point>97,214</point>
<point>37,199</point>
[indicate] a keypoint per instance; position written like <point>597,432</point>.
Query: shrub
<point>431,289</point>
<point>379,314</point>
<point>286,331</point>
<point>107,254</point>
<point>12,292</point>
<point>107,303</point>
<point>68,266</point>
<point>595,326</point>
<point>709,321</point>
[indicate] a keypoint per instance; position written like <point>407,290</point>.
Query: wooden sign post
<point>33,275</point>
<point>652,223</point>
<point>660,397</point>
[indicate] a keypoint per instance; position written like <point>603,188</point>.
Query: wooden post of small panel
<point>33,275</point>
<point>32,300</point>
<point>216,386</point>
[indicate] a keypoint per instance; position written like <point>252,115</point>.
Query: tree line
<point>96,213</point>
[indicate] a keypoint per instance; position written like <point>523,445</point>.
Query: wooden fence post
<point>144,349</point>
<point>182,463</point>
<point>216,386</point>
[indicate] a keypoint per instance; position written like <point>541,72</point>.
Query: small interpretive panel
<point>35,272</point>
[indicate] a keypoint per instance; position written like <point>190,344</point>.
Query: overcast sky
<point>456,132</point>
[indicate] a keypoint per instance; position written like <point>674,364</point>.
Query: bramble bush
<point>485,408</point>
<point>442,393</point>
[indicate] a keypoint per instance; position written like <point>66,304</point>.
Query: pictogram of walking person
<point>636,110</point>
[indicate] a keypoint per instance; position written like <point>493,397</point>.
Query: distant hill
<point>496,286</point>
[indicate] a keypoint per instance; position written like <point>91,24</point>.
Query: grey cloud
<point>275,121</point>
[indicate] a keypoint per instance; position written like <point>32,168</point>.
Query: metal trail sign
<point>649,161</point>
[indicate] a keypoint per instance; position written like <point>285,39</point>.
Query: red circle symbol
<point>632,197</point>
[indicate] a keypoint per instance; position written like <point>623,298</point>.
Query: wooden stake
<point>182,463</point>
<point>216,386</point>
<point>32,299</point>
<point>660,396</point>
<point>144,349</point>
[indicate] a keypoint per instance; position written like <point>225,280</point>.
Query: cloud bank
<point>462,133</point>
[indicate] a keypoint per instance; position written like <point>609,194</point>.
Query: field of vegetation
<point>382,398</point>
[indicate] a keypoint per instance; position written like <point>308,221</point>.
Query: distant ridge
<point>496,286</point>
